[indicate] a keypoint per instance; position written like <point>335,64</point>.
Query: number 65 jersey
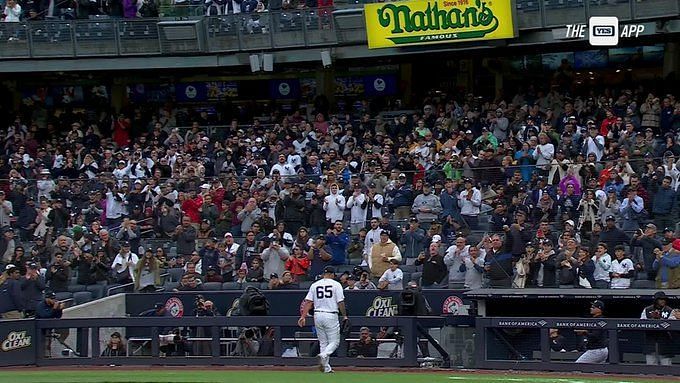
<point>326,293</point>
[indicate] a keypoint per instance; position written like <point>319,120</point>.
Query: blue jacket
<point>449,205</point>
<point>664,201</point>
<point>45,311</point>
<point>414,242</point>
<point>666,263</point>
<point>402,196</point>
<point>10,296</point>
<point>338,245</point>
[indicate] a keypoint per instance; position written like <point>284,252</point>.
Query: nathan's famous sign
<point>436,21</point>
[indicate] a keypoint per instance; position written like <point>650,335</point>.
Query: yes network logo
<point>604,31</point>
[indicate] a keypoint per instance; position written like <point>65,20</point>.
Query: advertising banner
<point>380,85</point>
<point>284,89</point>
<point>17,343</point>
<point>419,22</point>
<point>359,303</point>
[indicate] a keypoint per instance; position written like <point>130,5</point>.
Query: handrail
<point>231,31</point>
<point>119,287</point>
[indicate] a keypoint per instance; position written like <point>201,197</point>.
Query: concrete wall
<point>109,307</point>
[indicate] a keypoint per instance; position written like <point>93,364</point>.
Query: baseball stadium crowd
<point>545,188</point>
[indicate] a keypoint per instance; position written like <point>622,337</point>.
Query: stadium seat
<point>81,297</point>
<point>76,288</point>
<point>98,291</point>
<point>264,286</point>
<point>212,286</point>
<point>252,284</point>
<point>305,285</point>
<point>64,296</point>
<point>408,268</point>
<point>176,274</point>
<point>407,279</point>
<point>642,284</point>
<point>416,277</point>
<point>231,286</point>
<point>169,286</point>
<point>342,268</point>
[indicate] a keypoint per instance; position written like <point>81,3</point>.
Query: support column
<point>406,81</point>
<point>671,60</point>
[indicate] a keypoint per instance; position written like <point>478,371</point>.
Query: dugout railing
<point>85,348</point>
<point>525,344</point>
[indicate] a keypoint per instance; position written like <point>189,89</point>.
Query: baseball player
<point>596,340</point>
<point>328,298</point>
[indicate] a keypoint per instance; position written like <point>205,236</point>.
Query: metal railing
<point>300,28</point>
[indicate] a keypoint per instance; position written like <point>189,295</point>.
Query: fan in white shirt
<point>622,270</point>
<point>392,278</point>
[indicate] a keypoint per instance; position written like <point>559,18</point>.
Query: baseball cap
<point>569,222</point>
<point>228,235</point>
<point>676,244</point>
<point>33,266</point>
<point>9,268</point>
<point>660,295</point>
<point>50,294</point>
<point>402,175</point>
<point>598,304</point>
<point>650,226</point>
<point>610,218</point>
<point>125,244</point>
<point>385,232</point>
<point>668,230</point>
<point>436,238</point>
<point>329,270</point>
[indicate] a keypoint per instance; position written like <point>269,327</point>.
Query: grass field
<point>261,375</point>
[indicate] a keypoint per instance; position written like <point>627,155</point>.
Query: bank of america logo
<point>542,323</point>
<point>665,324</point>
<point>601,323</point>
<point>603,31</point>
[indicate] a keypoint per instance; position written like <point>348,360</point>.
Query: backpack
<point>257,303</point>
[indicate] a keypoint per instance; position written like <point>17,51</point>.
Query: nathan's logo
<point>382,307</point>
<point>15,340</point>
<point>421,22</point>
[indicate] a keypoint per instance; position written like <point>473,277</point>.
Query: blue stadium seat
<point>168,286</point>
<point>342,268</point>
<point>176,274</point>
<point>231,286</point>
<point>252,284</point>
<point>305,285</point>
<point>212,286</point>
<point>64,296</point>
<point>76,288</point>
<point>98,291</point>
<point>642,284</point>
<point>81,297</point>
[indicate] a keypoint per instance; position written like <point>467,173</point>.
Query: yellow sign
<point>436,21</point>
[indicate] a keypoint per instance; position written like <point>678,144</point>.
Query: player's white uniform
<point>326,293</point>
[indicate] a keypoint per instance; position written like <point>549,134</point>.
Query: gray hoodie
<point>429,201</point>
